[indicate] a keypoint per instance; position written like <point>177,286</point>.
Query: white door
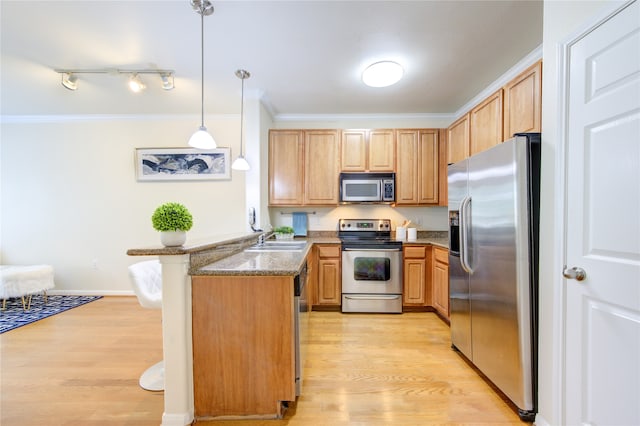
<point>602,364</point>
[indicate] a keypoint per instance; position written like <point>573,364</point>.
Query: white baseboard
<point>91,292</point>
<point>541,421</point>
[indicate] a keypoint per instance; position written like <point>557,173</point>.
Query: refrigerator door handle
<point>465,206</point>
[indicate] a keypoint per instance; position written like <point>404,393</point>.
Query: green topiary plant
<point>172,217</point>
<point>283,230</point>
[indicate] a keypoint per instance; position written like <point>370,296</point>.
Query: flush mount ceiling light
<point>382,74</point>
<point>70,77</point>
<point>241,163</point>
<point>201,138</point>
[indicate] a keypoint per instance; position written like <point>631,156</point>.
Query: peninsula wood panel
<point>243,345</point>
<point>458,138</point>
<point>286,167</point>
<point>486,124</point>
<point>523,102</point>
<point>322,167</point>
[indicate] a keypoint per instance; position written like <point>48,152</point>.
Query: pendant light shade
<point>241,163</point>
<point>201,139</point>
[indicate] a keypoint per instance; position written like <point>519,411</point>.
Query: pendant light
<point>201,138</point>
<point>241,163</point>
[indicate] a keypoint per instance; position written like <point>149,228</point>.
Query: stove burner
<point>367,234</point>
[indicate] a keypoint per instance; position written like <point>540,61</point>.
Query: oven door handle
<point>372,297</point>
<point>366,249</point>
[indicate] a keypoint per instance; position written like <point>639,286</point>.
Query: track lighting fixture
<point>201,138</point>
<point>135,83</point>
<point>241,163</point>
<point>70,80</point>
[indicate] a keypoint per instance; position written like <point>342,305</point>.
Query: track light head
<point>70,80</point>
<point>135,84</point>
<point>167,81</point>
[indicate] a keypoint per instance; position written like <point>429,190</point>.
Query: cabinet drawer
<point>329,251</point>
<point>441,255</point>
<point>415,252</point>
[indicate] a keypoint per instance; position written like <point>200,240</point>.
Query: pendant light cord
<point>241,114</point>
<point>202,66</point>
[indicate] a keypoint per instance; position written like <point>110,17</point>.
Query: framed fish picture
<point>155,164</point>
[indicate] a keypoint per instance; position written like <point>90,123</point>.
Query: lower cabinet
<point>415,267</point>
<point>329,275</point>
<point>441,281</point>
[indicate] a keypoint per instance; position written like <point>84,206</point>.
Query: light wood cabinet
<point>523,102</point>
<point>367,150</point>
<point>415,276</point>
<point>329,275</point>
<point>441,281</point>
<point>417,174</point>
<point>303,167</point>
<point>486,124</point>
<point>286,167</point>
<point>321,167</point>
<point>244,325</point>
<point>458,138</point>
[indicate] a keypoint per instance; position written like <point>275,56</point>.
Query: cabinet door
<point>286,159</point>
<point>329,288</point>
<point>441,281</point>
<point>382,150</point>
<point>486,124</point>
<point>523,102</point>
<point>407,142</point>
<point>322,162</point>
<point>414,272</point>
<point>458,136</point>
<point>353,150</point>
<point>428,167</point>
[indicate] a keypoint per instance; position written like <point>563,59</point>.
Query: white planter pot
<point>173,238</point>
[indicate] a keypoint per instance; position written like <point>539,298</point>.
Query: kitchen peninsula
<point>245,351</point>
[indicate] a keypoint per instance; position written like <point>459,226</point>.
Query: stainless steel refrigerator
<point>493,265</point>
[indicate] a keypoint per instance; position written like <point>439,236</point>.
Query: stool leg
<point>4,304</point>
<point>44,294</point>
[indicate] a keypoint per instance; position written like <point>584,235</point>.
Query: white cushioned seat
<point>21,281</point>
<point>146,278</point>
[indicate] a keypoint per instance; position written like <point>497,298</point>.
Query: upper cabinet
<point>523,102</point>
<point>322,167</point>
<point>367,150</point>
<point>515,108</point>
<point>486,124</point>
<point>286,167</point>
<point>417,174</point>
<point>303,167</point>
<point>458,136</point>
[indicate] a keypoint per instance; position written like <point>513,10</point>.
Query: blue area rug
<point>14,316</point>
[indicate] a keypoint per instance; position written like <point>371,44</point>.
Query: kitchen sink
<point>278,246</point>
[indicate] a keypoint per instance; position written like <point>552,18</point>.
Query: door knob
<point>574,273</point>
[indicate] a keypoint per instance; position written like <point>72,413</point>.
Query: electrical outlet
<point>94,264</point>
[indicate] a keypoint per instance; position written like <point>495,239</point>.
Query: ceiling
<point>305,57</point>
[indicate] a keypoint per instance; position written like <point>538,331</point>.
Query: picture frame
<point>176,164</point>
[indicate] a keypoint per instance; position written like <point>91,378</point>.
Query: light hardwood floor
<point>81,367</point>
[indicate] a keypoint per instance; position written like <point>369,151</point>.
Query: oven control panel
<point>378,225</point>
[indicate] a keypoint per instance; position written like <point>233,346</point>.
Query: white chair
<point>146,278</point>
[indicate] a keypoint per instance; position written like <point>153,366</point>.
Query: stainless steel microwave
<point>367,187</point>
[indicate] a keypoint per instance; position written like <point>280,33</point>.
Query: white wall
<point>70,197</point>
<point>561,20</point>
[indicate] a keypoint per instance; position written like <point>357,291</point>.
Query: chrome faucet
<point>261,240</point>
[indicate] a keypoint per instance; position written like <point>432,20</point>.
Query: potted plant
<point>173,220</point>
<point>284,233</point>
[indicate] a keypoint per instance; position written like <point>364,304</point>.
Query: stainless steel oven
<point>371,266</point>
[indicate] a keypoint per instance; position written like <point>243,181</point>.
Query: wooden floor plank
<point>81,367</point>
